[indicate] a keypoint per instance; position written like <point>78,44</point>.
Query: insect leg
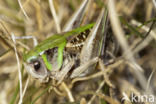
<point>61,74</point>
<point>79,71</point>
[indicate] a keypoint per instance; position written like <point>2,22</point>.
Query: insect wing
<point>92,44</point>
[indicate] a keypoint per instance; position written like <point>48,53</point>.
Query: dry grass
<point>126,71</point>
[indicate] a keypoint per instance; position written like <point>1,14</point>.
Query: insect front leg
<point>59,75</point>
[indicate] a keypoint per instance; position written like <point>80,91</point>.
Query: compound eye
<point>36,65</point>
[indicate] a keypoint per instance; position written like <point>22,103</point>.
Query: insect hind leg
<point>81,70</point>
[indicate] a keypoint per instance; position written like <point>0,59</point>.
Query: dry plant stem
<point>149,9</point>
<point>38,15</point>
<point>26,86</point>
<point>19,70</point>
<point>105,76</point>
<point>119,34</point>
<point>8,37</point>
<point>148,39</point>
<point>24,4</point>
<point>6,30</point>
<point>98,74</point>
<point>76,18</point>
<point>142,80</point>
<point>71,99</point>
<point>25,14</point>
<point>88,77</point>
<point>58,92</point>
<point>83,101</point>
<point>97,91</point>
<point>107,98</point>
<point>35,42</point>
<point>149,80</point>
<point>154,2</point>
<point>142,43</point>
<point>53,12</point>
<point>147,35</point>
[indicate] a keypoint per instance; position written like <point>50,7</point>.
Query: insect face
<point>37,68</point>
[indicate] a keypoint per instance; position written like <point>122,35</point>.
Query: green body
<point>57,40</point>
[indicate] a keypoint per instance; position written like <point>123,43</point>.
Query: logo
<point>138,98</point>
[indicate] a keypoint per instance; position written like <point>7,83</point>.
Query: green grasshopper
<point>57,40</point>
<point>72,53</point>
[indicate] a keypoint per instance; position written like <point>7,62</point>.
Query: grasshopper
<point>71,54</point>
